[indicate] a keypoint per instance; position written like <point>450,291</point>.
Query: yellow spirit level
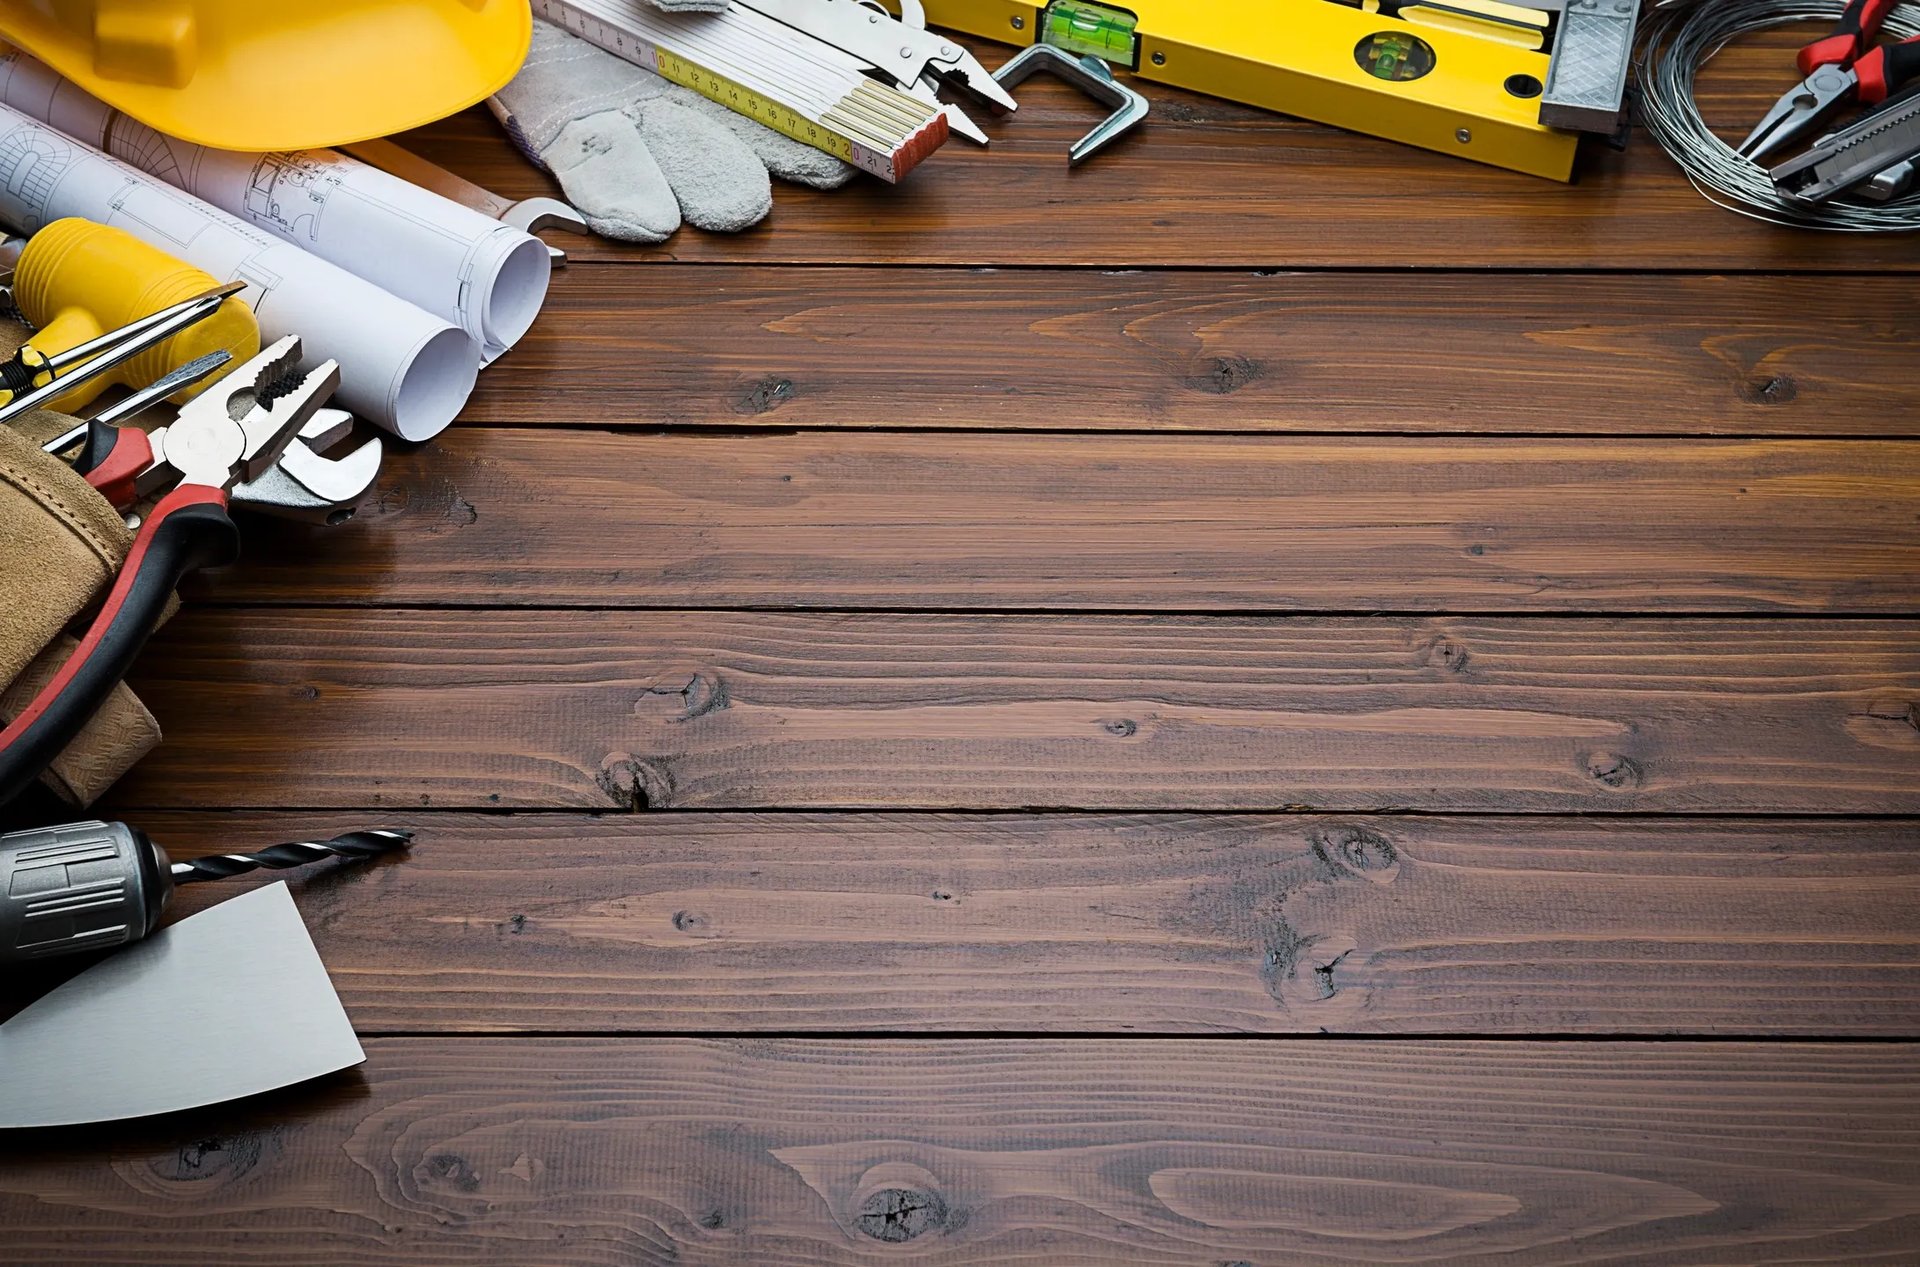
<point>1460,77</point>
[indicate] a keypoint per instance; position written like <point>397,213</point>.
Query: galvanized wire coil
<point>1677,38</point>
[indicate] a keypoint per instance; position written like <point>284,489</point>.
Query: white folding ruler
<point>771,72</point>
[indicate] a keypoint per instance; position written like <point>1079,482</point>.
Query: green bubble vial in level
<point>1084,28</point>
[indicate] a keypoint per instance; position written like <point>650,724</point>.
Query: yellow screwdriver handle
<point>76,280</point>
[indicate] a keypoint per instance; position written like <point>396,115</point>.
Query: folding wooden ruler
<point>769,71</point>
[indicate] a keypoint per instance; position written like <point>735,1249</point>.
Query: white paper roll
<point>400,367</point>
<point>486,277</point>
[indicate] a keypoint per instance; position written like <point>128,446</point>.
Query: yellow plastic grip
<point>76,279</point>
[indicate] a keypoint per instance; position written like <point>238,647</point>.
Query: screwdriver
<point>153,393</point>
<point>94,885</point>
<point>108,351</point>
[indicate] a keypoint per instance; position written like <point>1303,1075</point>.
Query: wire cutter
<point>1847,65</point>
<point>234,431</point>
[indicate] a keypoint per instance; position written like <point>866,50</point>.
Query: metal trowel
<point>227,1003</point>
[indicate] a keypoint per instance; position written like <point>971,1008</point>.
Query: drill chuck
<point>84,886</point>
<point>94,886</point>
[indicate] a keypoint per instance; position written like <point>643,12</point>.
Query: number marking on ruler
<point>590,24</point>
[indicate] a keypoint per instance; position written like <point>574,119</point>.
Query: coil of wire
<point>1678,37</point>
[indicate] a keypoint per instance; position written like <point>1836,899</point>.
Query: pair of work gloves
<point>637,155</point>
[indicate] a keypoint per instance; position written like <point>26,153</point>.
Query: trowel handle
<point>83,886</point>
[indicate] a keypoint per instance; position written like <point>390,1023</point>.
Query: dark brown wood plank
<point>1274,523</point>
<point>605,1152</point>
<point>1211,183</point>
<point>712,710</point>
<point>731,923</point>
<point>875,347</point>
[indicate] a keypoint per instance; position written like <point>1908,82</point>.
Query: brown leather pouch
<point>61,544</point>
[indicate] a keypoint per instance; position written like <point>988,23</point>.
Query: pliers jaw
<point>236,429</point>
<point>964,72</point>
<point>1799,111</point>
<point>275,404</point>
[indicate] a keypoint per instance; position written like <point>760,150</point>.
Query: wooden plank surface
<point>1212,184</point>
<point>516,623</point>
<point>727,345</point>
<point>1271,523</point>
<point>618,1153</point>
<point>1141,924</point>
<point>713,710</point>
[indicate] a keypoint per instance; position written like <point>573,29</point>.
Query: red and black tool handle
<point>1885,69</point>
<point>1851,37</point>
<point>113,459</point>
<point>188,530</point>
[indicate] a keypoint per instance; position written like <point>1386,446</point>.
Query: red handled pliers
<point>1847,65</point>
<point>112,457</point>
<point>231,432</point>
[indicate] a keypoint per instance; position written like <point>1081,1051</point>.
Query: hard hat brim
<point>308,78</point>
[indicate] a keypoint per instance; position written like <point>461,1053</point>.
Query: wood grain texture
<point>604,710</point>
<point>1146,924</point>
<point>1279,296</point>
<point>1271,523</point>
<point>624,1153</point>
<point>873,347</point>
<point>1211,183</point>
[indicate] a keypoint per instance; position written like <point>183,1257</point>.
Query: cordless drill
<point>93,886</point>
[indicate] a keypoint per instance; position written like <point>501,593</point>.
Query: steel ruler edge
<point>1300,60</point>
<point>876,128</point>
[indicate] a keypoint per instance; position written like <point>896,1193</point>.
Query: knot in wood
<point>1222,375</point>
<point>764,396</point>
<point>1443,652</point>
<point>448,1170</point>
<point>631,783</point>
<point>1356,851</point>
<point>901,1214</point>
<point>214,1159</point>
<point>1610,769</point>
<point>1775,390</point>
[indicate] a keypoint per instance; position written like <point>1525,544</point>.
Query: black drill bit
<point>354,845</point>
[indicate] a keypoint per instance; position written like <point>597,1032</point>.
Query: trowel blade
<point>227,1003</point>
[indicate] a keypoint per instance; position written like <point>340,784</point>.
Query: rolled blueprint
<point>403,368</point>
<point>486,277</point>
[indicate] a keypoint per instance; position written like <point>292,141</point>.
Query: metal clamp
<point>1091,76</point>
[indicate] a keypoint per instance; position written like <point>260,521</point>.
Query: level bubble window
<point>1394,56</point>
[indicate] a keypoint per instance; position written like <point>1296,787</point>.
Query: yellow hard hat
<point>267,75</point>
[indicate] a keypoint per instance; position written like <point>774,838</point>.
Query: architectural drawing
<point>483,276</point>
<point>403,368</point>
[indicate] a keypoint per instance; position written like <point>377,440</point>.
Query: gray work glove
<point>636,154</point>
